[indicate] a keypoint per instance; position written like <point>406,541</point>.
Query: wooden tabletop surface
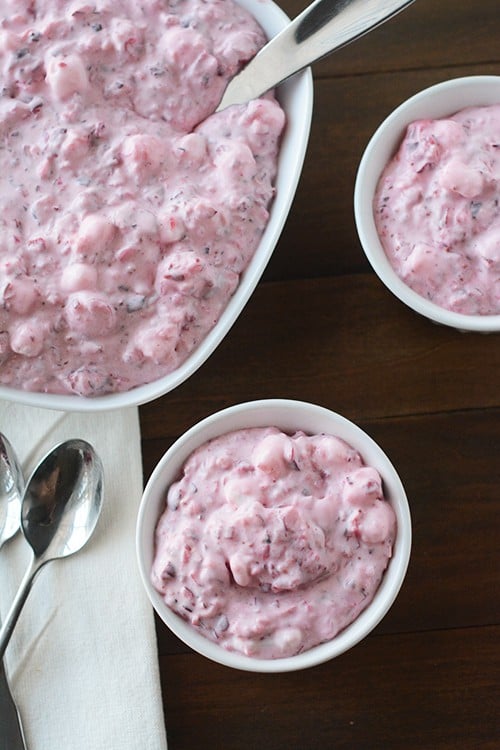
<point>321,327</point>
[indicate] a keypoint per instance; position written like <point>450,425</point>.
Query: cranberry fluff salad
<point>437,210</point>
<point>125,225</point>
<point>269,543</point>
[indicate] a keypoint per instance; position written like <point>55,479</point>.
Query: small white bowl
<point>296,98</point>
<point>289,416</point>
<point>441,100</point>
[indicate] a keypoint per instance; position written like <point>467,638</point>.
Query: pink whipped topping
<point>124,229</point>
<point>271,543</point>
<point>437,210</point>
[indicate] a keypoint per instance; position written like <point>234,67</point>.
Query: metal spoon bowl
<point>11,490</point>
<point>60,509</point>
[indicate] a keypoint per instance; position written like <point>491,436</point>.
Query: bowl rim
<point>438,100</point>
<point>289,415</point>
<point>296,96</point>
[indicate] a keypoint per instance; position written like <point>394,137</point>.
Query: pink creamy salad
<point>272,543</point>
<point>437,210</point>
<point>124,225</point>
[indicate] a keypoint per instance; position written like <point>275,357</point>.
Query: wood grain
<point>426,690</point>
<point>343,342</point>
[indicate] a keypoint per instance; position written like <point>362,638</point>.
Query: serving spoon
<point>60,509</point>
<point>326,25</point>
<point>11,490</point>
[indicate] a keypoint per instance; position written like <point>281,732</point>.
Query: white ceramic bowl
<point>288,416</point>
<point>296,98</point>
<point>440,100</point>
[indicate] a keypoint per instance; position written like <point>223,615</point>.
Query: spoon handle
<point>17,605</point>
<point>320,29</point>
<point>12,729</point>
<point>12,737</point>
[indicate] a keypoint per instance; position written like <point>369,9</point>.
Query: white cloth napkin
<point>83,661</point>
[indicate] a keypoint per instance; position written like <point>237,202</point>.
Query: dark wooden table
<point>321,327</point>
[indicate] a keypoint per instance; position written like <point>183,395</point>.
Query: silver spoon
<point>11,490</point>
<point>60,509</point>
<point>323,27</point>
